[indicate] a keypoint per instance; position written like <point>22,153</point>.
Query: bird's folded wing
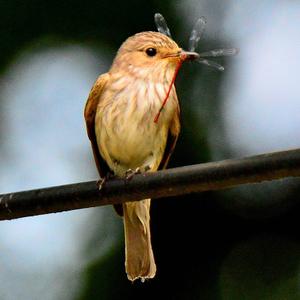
<point>173,134</point>
<point>89,115</point>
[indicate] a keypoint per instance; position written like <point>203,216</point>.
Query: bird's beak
<point>188,55</point>
<point>183,55</point>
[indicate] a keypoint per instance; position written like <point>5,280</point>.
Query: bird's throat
<point>179,64</point>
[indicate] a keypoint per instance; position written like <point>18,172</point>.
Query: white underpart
<point>134,140</point>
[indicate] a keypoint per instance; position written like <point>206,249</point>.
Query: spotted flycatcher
<point>129,129</point>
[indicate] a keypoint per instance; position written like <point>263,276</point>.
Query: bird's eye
<point>151,51</point>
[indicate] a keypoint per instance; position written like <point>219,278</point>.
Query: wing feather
<point>89,115</point>
<point>173,134</point>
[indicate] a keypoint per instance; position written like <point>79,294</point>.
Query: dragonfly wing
<point>161,24</point>
<point>210,63</point>
<point>196,33</point>
<point>220,52</point>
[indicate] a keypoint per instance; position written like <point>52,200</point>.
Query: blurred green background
<point>238,244</point>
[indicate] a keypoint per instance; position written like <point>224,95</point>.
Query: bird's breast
<point>126,133</point>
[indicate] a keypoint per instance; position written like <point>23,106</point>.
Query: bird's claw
<point>130,173</point>
<point>101,183</point>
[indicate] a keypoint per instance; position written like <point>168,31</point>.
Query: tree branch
<point>171,182</point>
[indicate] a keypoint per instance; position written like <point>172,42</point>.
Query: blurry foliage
<point>110,22</point>
<point>201,246</point>
<point>251,271</point>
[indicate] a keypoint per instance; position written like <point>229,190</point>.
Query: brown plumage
<point>120,114</point>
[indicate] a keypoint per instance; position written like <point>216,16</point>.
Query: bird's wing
<point>89,115</point>
<point>171,140</point>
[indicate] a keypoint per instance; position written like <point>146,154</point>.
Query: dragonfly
<point>195,36</point>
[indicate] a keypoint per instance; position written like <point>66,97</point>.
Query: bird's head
<point>150,55</point>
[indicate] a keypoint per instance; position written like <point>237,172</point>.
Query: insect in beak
<point>194,39</point>
<point>188,55</point>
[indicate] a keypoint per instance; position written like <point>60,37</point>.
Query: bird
<point>132,128</point>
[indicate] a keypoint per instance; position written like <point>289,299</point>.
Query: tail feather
<point>139,262</point>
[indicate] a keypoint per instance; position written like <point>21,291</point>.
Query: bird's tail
<point>139,261</point>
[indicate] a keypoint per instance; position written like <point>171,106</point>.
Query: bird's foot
<point>101,183</point>
<point>130,173</point>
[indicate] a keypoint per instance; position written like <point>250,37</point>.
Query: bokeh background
<point>238,244</point>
